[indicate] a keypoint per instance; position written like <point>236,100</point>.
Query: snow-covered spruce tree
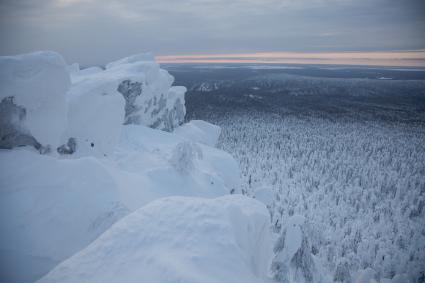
<point>293,261</point>
<point>184,156</point>
<point>359,185</point>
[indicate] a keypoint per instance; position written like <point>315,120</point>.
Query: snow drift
<point>178,240</point>
<point>50,209</point>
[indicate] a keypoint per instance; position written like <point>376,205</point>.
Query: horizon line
<point>397,58</point>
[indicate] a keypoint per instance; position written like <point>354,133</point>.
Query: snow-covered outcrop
<point>178,240</point>
<point>95,115</point>
<point>150,98</point>
<point>33,100</point>
<point>133,90</point>
<point>199,131</point>
<point>52,206</point>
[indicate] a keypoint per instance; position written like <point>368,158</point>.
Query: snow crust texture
<point>178,240</point>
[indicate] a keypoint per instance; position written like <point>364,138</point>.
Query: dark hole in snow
<point>92,144</point>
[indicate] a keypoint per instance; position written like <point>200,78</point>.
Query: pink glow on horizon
<point>414,58</point>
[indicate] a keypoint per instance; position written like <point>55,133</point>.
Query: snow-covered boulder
<point>199,131</point>
<point>178,240</point>
<point>95,115</point>
<point>49,209</point>
<point>133,90</point>
<point>32,99</point>
<point>150,98</point>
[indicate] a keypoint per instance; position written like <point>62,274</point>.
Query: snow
<point>199,131</point>
<point>38,82</point>
<point>264,195</point>
<point>95,116</point>
<point>146,156</point>
<point>54,205</point>
<point>178,240</point>
<point>50,209</point>
<point>132,90</point>
<point>58,206</point>
<point>112,161</point>
<point>150,98</point>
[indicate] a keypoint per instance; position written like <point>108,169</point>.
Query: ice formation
<point>178,240</point>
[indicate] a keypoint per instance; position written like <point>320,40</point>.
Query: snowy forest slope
<point>346,153</point>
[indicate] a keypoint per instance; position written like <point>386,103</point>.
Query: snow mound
<point>178,240</point>
<point>152,164</point>
<point>199,131</point>
<point>50,209</point>
<point>36,85</point>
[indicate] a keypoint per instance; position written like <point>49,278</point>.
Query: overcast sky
<point>98,31</point>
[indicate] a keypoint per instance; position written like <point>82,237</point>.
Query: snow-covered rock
<point>133,90</point>
<point>150,98</point>
<point>51,206</point>
<point>178,240</point>
<point>95,116</point>
<point>199,131</point>
<point>49,209</point>
<point>32,96</point>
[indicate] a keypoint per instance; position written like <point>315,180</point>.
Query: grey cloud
<point>96,31</point>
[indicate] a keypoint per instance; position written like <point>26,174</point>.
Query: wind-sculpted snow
<point>178,240</point>
<point>33,103</point>
<point>199,131</point>
<point>104,162</point>
<point>50,209</point>
<point>132,90</point>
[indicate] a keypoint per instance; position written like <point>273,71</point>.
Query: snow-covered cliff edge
<point>103,157</point>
